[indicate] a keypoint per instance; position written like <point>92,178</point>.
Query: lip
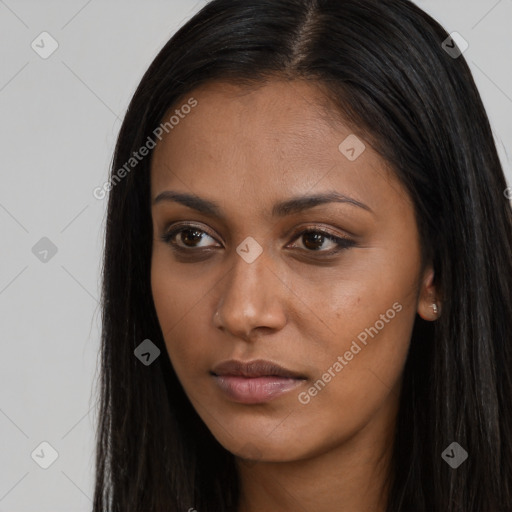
<point>255,381</point>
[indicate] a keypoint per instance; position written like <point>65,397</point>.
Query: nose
<point>252,299</point>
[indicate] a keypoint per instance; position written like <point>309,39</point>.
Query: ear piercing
<point>435,308</point>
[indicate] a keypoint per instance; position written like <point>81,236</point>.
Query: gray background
<point>59,121</point>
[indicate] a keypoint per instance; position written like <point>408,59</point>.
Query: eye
<point>320,240</point>
<point>186,237</point>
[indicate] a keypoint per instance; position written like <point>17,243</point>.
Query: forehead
<point>264,142</point>
<point>275,116</point>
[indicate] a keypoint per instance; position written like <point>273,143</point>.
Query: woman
<point>307,298</point>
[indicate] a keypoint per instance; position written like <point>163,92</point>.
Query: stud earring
<point>435,308</point>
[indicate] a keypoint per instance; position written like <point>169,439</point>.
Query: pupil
<point>313,238</point>
<point>195,237</point>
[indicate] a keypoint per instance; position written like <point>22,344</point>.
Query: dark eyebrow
<point>191,200</point>
<point>293,205</point>
<point>298,204</point>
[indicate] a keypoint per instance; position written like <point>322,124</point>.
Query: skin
<point>247,149</point>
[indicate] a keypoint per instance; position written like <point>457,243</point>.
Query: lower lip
<point>255,390</point>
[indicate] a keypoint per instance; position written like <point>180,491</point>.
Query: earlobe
<point>429,307</point>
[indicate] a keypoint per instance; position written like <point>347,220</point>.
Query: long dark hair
<point>382,65</point>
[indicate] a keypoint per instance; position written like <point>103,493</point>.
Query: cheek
<point>363,369</point>
<point>370,314</point>
<point>178,304</point>
<point>359,374</point>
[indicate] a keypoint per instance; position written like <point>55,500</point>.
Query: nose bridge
<point>247,284</point>
<point>250,298</point>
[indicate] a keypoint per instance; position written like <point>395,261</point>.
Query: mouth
<point>255,381</point>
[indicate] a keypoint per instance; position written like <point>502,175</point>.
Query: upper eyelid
<point>337,239</point>
<point>334,232</point>
<point>175,229</point>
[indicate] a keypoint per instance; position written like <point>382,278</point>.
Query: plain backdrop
<point>59,118</point>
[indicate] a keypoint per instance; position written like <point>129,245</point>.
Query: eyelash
<point>342,243</point>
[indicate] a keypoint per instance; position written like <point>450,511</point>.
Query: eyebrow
<point>281,209</point>
<point>300,203</point>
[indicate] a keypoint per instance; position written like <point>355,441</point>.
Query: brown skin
<point>247,149</point>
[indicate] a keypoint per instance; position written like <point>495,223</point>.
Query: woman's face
<point>241,281</point>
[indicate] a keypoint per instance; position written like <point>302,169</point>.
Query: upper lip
<point>256,368</point>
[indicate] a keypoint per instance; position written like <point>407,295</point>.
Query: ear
<point>428,297</point>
